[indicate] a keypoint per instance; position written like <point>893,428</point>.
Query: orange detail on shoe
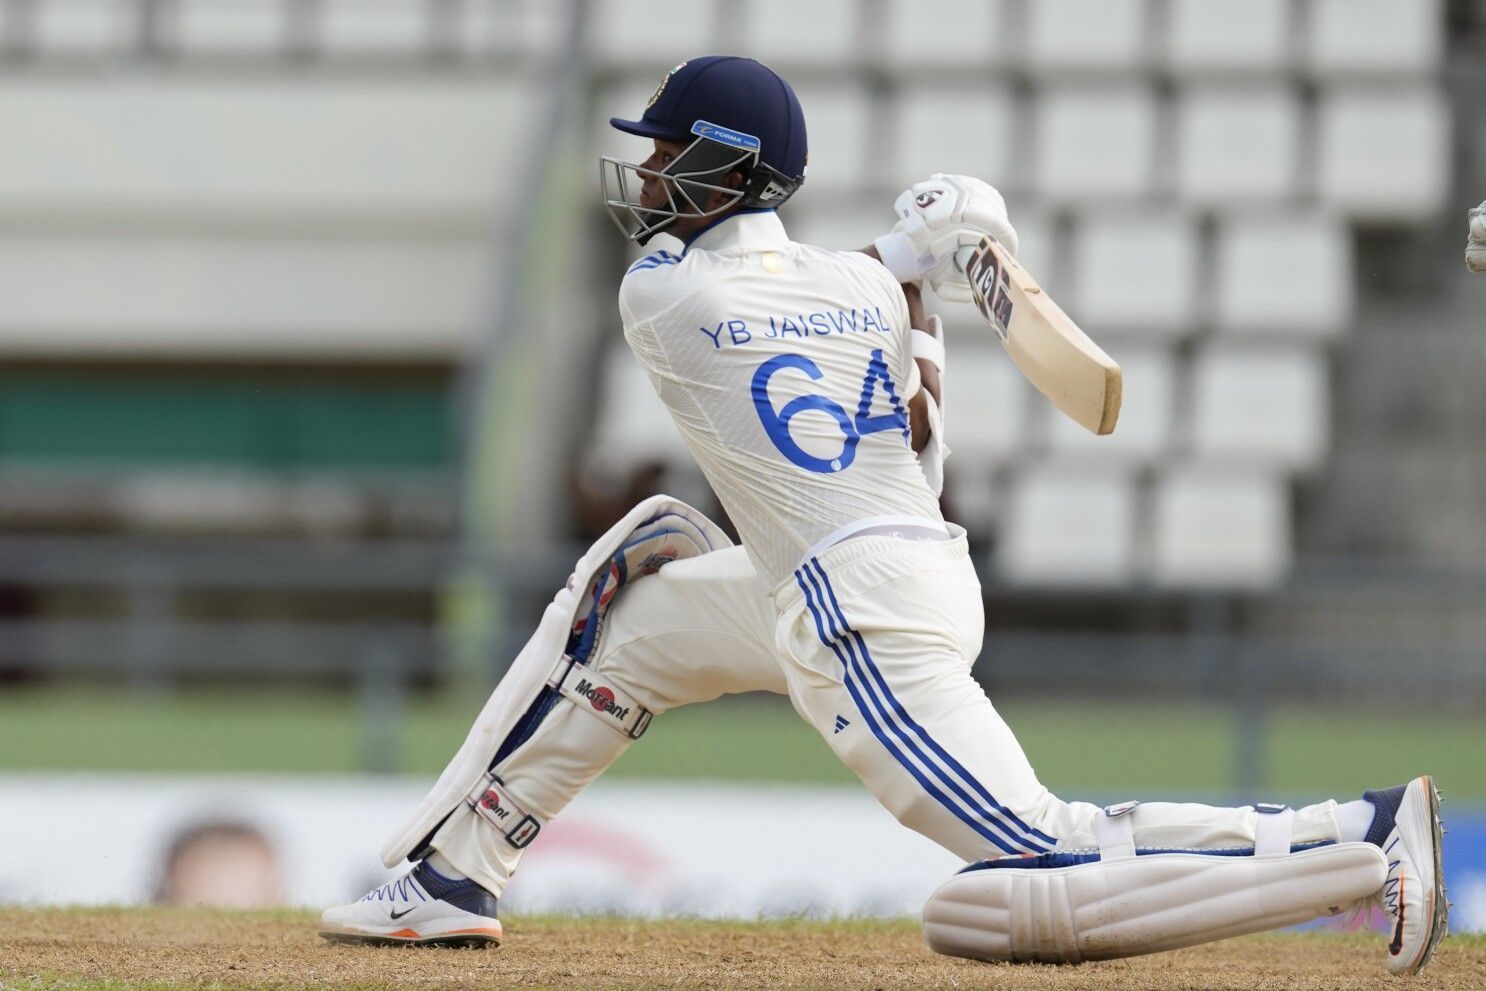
<point>405,934</point>
<point>475,932</point>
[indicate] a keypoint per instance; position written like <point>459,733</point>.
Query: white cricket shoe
<point>421,908</point>
<point>1475,248</point>
<point>1407,827</point>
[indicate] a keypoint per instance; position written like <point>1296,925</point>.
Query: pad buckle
<point>595,694</point>
<point>496,806</point>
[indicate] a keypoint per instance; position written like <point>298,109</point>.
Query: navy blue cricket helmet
<point>734,114</point>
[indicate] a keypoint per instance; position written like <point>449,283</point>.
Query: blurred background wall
<point>312,387</point>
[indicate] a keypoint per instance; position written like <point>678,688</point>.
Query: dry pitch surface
<point>170,948</point>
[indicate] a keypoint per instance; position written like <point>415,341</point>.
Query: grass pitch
<point>169,949</point>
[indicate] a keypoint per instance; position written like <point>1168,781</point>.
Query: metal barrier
<point>1217,655</point>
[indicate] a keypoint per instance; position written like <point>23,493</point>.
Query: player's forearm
<point>918,413</point>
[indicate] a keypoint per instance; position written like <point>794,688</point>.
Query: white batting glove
<point>1475,248</point>
<point>936,218</point>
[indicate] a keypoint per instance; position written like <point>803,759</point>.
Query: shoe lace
<point>1385,898</point>
<point>399,890</point>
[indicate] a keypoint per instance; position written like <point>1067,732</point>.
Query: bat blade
<point>1052,352</point>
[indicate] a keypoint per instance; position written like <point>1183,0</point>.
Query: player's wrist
<point>899,255</point>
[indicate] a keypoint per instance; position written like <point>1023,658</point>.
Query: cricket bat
<point>1072,371</point>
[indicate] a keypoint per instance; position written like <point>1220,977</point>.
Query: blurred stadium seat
<point>1220,527</point>
<point>264,297</point>
<point>1135,272</point>
<point>1238,145</point>
<point>1355,37</point>
<point>1086,35</point>
<point>840,116</point>
<point>985,406</point>
<point>374,27</point>
<point>218,27</point>
<point>971,130</point>
<point>1283,275</point>
<point>265,146</point>
<point>653,38</point>
<point>1219,37</point>
<point>914,38</point>
<point>1068,526</point>
<point>1094,143</point>
<point>783,33</point>
<point>84,27</point>
<point>1384,153</point>
<point>1266,406</point>
<point>839,226</point>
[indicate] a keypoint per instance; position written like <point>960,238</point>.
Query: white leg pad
<point>1142,904</point>
<point>658,530</point>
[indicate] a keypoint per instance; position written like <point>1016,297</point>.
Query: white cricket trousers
<point>872,640</point>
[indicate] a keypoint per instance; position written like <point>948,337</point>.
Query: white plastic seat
<point>653,37</point>
<point>1236,145</point>
<point>1064,526</point>
<point>787,32</point>
<point>1384,154</point>
<point>839,225</point>
<point>910,39</point>
<point>634,425</point>
<point>523,28</point>
<point>357,27</point>
<point>986,411</point>
<point>236,297</point>
<point>230,26</point>
<point>1143,431</point>
<point>1349,37</point>
<point>264,146</point>
<point>1285,275</point>
<point>970,130</point>
<point>1209,37</point>
<point>1259,406</point>
<point>837,121</point>
<point>1074,35</point>
<point>84,27</point>
<point>1095,143</point>
<point>1135,273</point>
<point>1216,527</point>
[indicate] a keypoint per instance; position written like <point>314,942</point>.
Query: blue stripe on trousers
<point>1012,843</point>
<point>918,730</point>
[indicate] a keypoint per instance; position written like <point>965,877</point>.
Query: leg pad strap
<point>493,803</point>
<point>593,693</point>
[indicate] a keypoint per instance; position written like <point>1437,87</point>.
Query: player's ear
<point>733,180</point>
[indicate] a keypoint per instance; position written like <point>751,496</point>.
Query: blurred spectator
<point>222,864</point>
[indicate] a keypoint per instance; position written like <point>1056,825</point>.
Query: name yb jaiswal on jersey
<point>820,323</point>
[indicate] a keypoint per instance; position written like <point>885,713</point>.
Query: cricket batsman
<point>807,385</point>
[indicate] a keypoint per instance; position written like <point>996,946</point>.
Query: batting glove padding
<point>936,218</point>
<point>1475,248</point>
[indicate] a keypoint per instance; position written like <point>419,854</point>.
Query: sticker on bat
<point>990,287</point>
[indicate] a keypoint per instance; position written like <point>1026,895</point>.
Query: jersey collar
<point>750,229</point>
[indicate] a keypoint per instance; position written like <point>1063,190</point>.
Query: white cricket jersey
<point>788,370</point>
